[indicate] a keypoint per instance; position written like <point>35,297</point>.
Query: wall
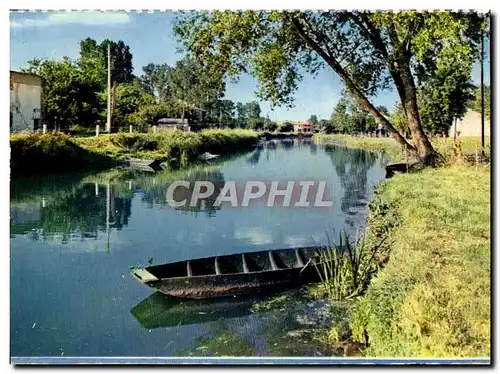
<point>25,97</point>
<point>470,125</point>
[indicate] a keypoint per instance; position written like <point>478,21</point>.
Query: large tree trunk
<point>421,149</point>
<point>403,79</point>
<point>425,151</point>
<point>353,88</point>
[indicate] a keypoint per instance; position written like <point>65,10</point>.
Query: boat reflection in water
<point>159,310</point>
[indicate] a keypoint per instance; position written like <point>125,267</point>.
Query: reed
<point>346,268</point>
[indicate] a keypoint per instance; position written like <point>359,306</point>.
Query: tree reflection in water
<point>286,324</point>
<point>352,166</point>
<point>99,203</point>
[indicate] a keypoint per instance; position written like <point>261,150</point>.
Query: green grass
<point>37,153</point>
<point>172,146</point>
<point>433,296</point>
<point>470,145</point>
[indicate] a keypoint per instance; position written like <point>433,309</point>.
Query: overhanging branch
<point>351,86</point>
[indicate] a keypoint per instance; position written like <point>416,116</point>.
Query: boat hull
<point>201,287</point>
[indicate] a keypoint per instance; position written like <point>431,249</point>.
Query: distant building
<point>470,125</point>
<point>25,101</point>
<point>303,126</point>
<point>166,124</point>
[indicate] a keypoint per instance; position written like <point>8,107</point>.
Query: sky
<point>53,35</point>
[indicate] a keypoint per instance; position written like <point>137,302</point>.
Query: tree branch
<point>351,86</point>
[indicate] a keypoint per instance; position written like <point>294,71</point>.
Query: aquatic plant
<point>346,268</point>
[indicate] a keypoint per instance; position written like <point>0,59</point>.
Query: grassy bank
<point>433,296</point>
<point>176,146</point>
<point>470,145</point>
<point>37,153</point>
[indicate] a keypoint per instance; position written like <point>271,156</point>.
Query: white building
<point>470,125</point>
<point>25,101</point>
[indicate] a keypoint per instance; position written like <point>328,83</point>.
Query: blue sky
<point>52,35</point>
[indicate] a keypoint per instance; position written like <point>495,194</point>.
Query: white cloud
<point>94,18</point>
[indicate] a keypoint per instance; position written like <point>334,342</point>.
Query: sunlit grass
<point>433,297</point>
<point>59,152</point>
<point>470,145</point>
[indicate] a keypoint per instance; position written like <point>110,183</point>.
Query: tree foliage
<point>474,102</point>
<point>155,81</point>
<point>121,59</point>
<point>251,110</point>
<point>69,92</point>
<point>369,51</point>
<point>192,85</point>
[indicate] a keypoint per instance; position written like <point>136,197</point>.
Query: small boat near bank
<point>236,274</point>
<point>207,156</point>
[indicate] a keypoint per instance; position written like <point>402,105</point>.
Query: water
<point>74,239</point>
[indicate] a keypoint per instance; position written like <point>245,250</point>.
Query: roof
<point>171,121</point>
<point>23,73</point>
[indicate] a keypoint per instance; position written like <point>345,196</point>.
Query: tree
<point>240,112</point>
<point>367,50</point>
<point>383,110</point>
<point>313,120</point>
<point>474,102</point>
<point>148,115</point>
<point>155,81</point>
<point>122,69</point>
<point>340,119</point>
<point>130,98</point>
<point>95,55</point>
<point>252,109</point>
<point>223,108</point>
<point>398,118</point>
<point>256,123</point>
<point>443,95</point>
<point>323,125</point>
<point>285,127</point>
<point>70,93</point>
<point>443,100</point>
<point>192,85</point>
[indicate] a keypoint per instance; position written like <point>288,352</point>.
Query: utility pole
<point>482,90</point>
<point>108,122</point>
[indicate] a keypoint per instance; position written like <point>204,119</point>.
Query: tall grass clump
<point>346,268</point>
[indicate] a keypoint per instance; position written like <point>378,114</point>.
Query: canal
<point>74,239</point>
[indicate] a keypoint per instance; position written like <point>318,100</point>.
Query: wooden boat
<point>234,274</point>
<point>143,164</point>
<point>207,156</point>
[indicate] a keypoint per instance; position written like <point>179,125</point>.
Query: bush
<point>36,153</point>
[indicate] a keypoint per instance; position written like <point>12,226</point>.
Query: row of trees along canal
<point>419,53</point>
<point>76,94</point>
<point>439,109</point>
